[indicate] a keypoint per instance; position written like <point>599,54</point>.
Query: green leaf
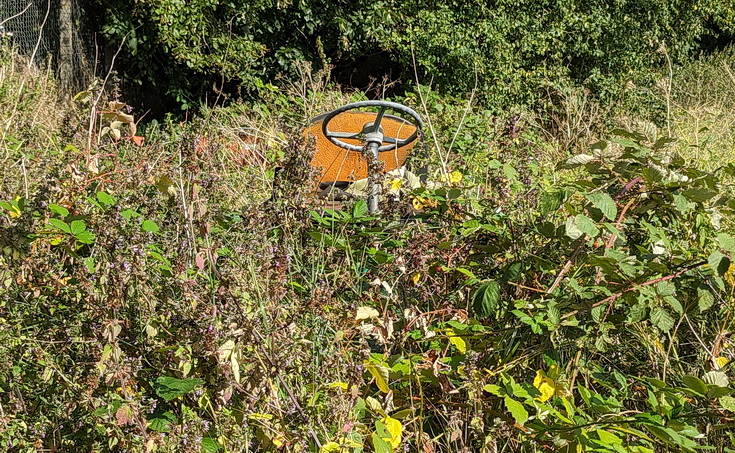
<point>380,445</point>
<point>169,388</point>
<point>516,409</point>
<point>728,403</point>
<point>661,319</point>
<point>604,203</point>
<point>726,242</point>
<point>59,224</point>
<point>718,262</point>
<point>550,202</point>
<point>127,214</point>
<point>210,445</point>
<point>161,422</point>
<point>360,209</point>
<point>60,210</point>
<point>77,226</point>
<point>571,229</point>
<point>586,225</point>
<point>85,237</point>
<point>486,299</point>
<point>105,198</point>
<point>577,161</point>
<point>698,194</point>
<point>706,299</point>
<point>150,225</point>
<point>695,384</point>
<point>89,262</point>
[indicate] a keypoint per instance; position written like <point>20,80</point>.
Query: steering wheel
<point>371,131</point>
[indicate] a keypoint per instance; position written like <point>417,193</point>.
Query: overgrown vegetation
<point>550,288</point>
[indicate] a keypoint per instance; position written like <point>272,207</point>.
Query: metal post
<point>373,189</point>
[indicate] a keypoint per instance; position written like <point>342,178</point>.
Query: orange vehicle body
<point>338,164</point>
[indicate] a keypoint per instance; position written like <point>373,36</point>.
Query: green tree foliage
<point>509,49</point>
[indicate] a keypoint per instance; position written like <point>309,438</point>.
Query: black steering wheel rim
<point>393,142</point>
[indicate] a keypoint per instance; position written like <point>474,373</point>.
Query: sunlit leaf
<point>395,429</point>
<point>516,409</point>
<point>380,373</point>
<point>604,203</point>
<point>366,313</point>
<point>545,385</point>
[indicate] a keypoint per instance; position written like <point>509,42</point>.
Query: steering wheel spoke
<point>350,135</point>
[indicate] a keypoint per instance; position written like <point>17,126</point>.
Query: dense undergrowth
<point>562,284</point>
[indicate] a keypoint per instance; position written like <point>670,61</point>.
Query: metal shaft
<point>373,189</point>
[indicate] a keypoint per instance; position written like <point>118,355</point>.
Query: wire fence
<point>48,32</point>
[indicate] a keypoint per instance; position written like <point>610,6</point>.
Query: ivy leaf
<point>604,203</point>
<point>516,409</point>
<point>486,299</point>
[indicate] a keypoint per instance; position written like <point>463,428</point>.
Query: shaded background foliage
<point>175,50</point>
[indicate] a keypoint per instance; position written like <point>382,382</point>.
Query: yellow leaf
<point>730,275</point>
<point>455,177</point>
<point>330,447</point>
<point>457,341</point>
<point>375,406</point>
<point>545,385</point>
<point>366,313</point>
<point>338,385</point>
<point>722,361</point>
<point>416,278</point>
<point>395,185</point>
<point>395,429</point>
<point>380,373</point>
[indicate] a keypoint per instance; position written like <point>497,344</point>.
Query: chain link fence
<point>48,32</point>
